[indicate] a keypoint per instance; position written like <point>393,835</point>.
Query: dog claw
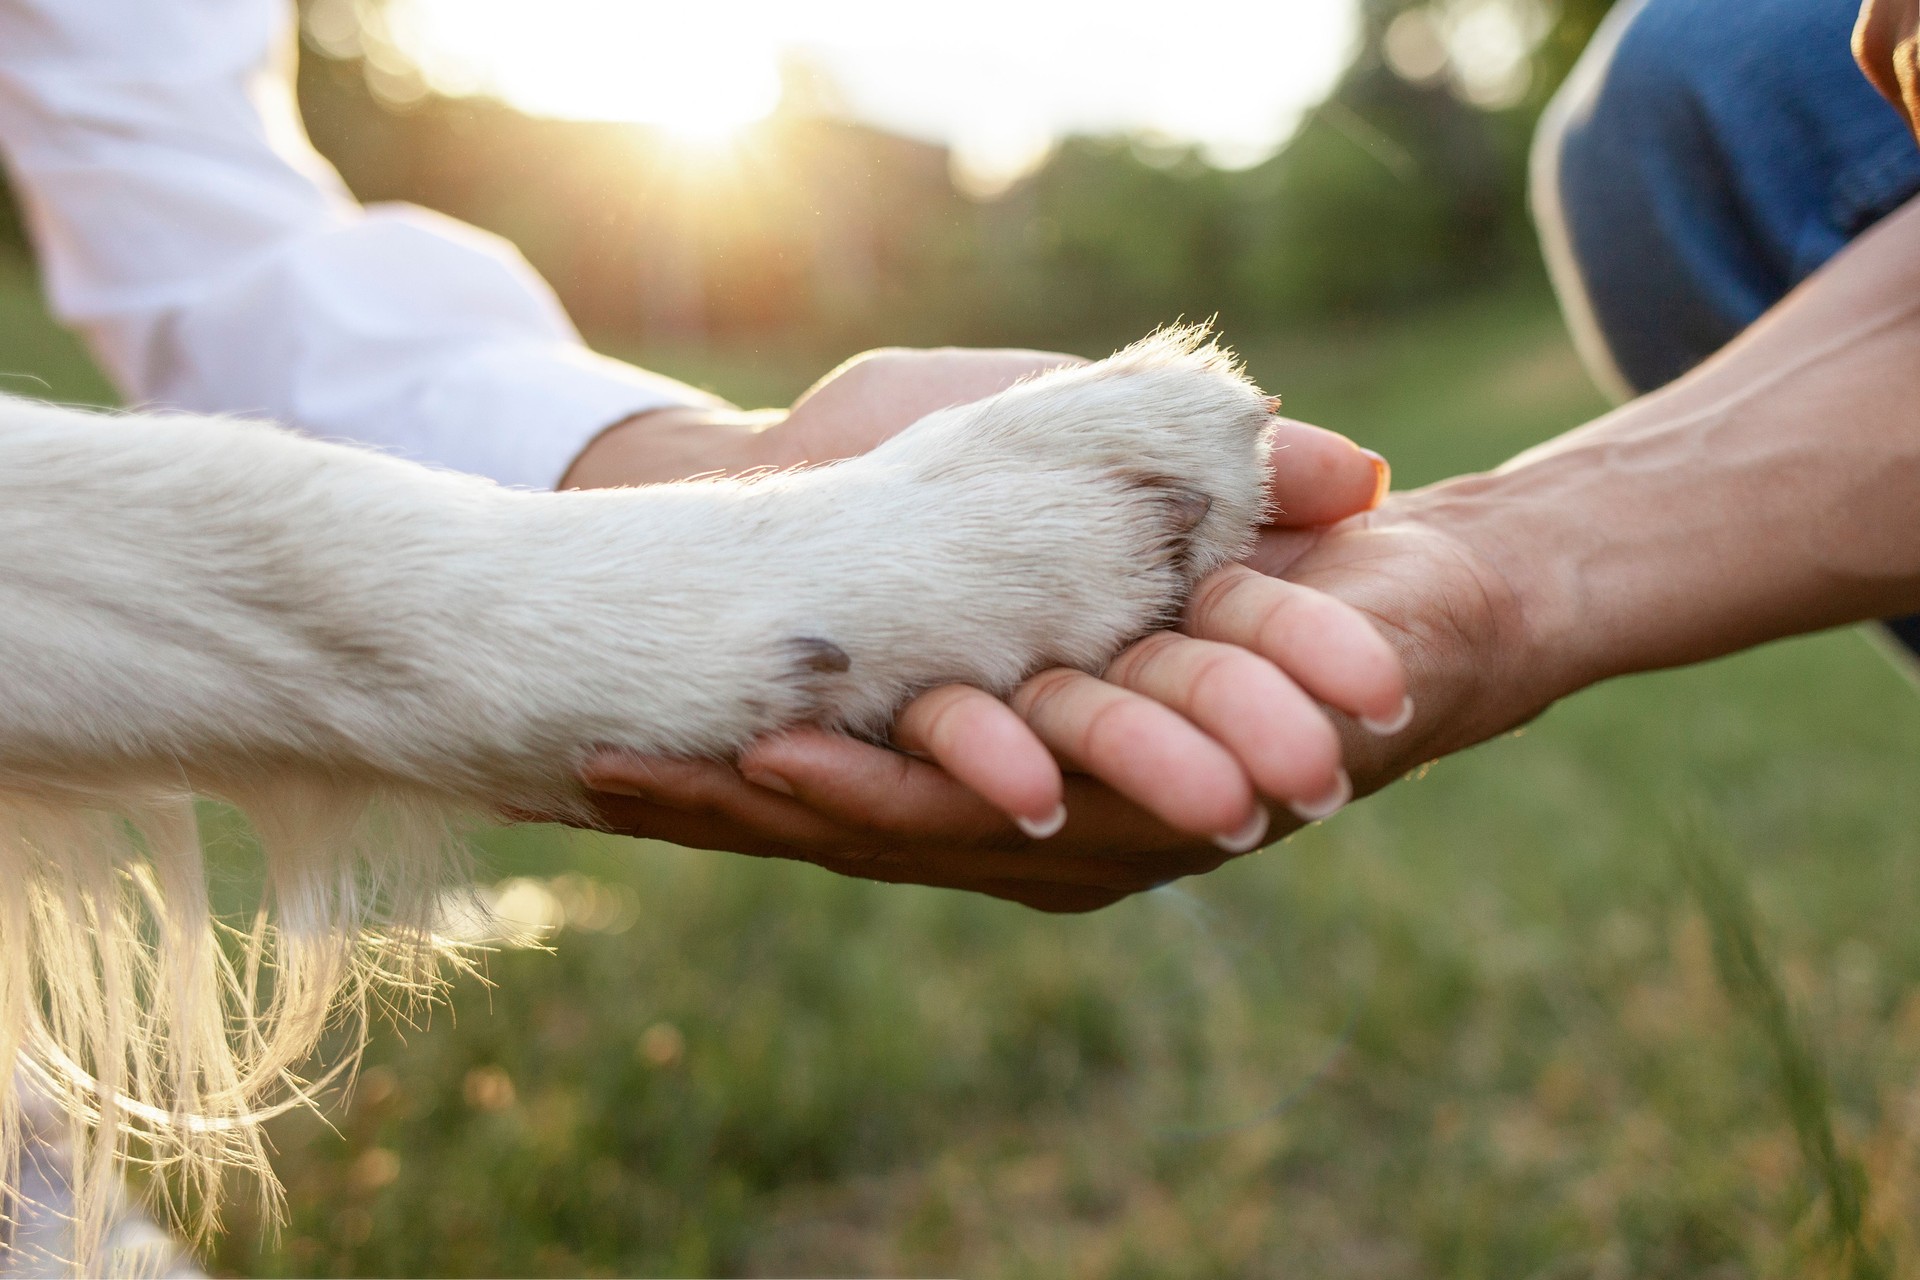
<point>1187,508</point>
<point>822,657</point>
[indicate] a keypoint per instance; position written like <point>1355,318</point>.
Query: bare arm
<point>1774,491</point>
<point>1198,778</point>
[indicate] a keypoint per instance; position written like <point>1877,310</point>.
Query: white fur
<point>352,649</point>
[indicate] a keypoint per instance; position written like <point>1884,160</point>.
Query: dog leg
<point>193,606</point>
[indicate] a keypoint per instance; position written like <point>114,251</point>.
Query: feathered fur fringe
<point>350,650</point>
<point>166,1036</point>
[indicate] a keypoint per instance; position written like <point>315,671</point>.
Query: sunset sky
<point>999,80</point>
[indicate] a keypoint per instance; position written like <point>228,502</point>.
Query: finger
<point>1320,476</point>
<point>1280,735</point>
<point>630,816</point>
<point>1109,840</point>
<point>643,819</point>
<point>979,740</point>
<point>1276,550</point>
<point>854,783</point>
<point>1328,647</point>
<point>856,800</point>
<point>1146,752</point>
<point>925,827</point>
<point>640,819</point>
<point>863,787</point>
<point>1027,873</point>
<point>738,811</point>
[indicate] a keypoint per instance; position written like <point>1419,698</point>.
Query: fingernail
<point>1043,828</point>
<point>768,779</point>
<point>1387,728</point>
<point>1382,477</point>
<point>1325,807</point>
<point>1247,838</point>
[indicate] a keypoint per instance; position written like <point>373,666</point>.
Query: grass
<point>1632,993</point>
<point>1750,979</point>
<point>37,358</point>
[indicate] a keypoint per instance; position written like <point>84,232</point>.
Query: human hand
<point>864,401</point>
<point>868,811</point>
<point>1439,598</point>
<point>1886,43</point>
<point>1649,538</point>
<point>877,394</point>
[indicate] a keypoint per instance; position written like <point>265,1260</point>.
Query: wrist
<point>1636,544</point>
<point>1512,558</point>
<point>675,443</point>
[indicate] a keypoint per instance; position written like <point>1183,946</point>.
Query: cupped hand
<point>1173,755</point>
<point>864,401</point>
<point>875,395</point>
<point>1172,758</point>
<point>1439,600</point>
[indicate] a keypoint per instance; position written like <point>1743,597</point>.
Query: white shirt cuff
<point>522,412</point>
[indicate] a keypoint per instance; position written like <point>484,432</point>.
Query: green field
<point>1473,1027</point>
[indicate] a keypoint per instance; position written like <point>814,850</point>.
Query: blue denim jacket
<point>1717,153</point>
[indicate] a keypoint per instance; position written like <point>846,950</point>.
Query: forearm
<point>665,445</point>
<point>1775,491</point>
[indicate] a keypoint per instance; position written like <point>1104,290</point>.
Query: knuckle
<point>1106,731</point>
<point>1211,596</point>
<point>935,711</point>
<point>1283,619</point>
<point>1221,672</point>
<point>1138,660</point>
<point>1041,694</point>
<point>940,721</point>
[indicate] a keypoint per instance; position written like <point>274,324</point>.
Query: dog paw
<point>1048,525</point>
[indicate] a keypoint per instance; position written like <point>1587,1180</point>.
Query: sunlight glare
<point>665,65</point>
<point>999,81</point>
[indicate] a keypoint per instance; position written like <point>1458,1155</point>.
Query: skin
<point>1257,734</point>
<point>1886,43</point>
<point>1770,493</point>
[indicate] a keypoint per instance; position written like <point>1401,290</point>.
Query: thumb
<point>1321,477</point>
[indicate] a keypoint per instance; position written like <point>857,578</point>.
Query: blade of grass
<point>1752,984</point>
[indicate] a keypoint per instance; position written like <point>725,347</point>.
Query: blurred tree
<point>1111,235</point>
<point>1407,184</point>
<point>13,235</point>
<point>1400,185</point>
<point>1573,25</point>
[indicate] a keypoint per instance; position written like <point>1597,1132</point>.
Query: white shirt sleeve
<point>215,262</point>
